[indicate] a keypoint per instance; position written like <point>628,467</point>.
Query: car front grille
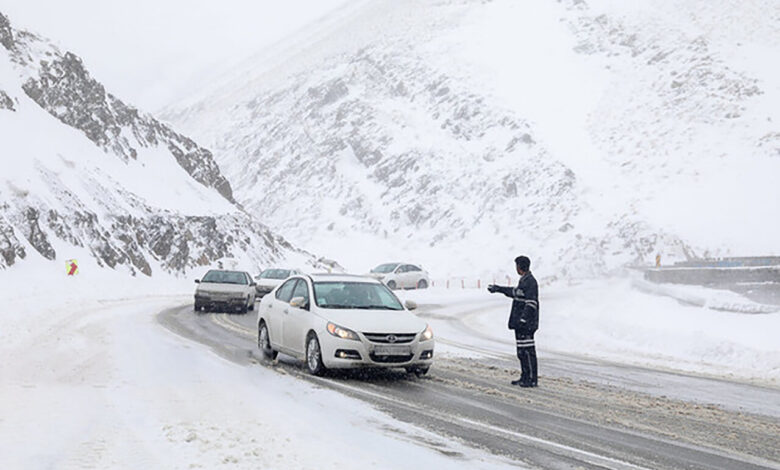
<point>391,359</point>
<point>390,338</point>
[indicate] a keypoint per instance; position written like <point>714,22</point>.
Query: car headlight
<point>343,333</point>
<point>427,333</point>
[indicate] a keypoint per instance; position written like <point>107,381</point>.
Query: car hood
<point>268,282</point>
<point>217,288</point>
<point>375,321</point>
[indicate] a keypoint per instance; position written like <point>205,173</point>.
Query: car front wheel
<point>264,343</point>
<point>422,284</point>
<point>314,356</point>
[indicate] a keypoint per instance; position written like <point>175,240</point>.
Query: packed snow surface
<point>89,378</point>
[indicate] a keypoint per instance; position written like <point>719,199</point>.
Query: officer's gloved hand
<point>492,288</point>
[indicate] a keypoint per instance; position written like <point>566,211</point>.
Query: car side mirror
<point>253,284</point>
<point>197,281</point>
<point>410,305</point>
<point>299,302</point>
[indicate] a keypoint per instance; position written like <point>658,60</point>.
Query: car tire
<point>244,308</point>
<point>314,356</point>
<point>422,284</point>
<point>264,343</point>
<point>391,285</point>
<point>252,305</point>
<point>197,307</point>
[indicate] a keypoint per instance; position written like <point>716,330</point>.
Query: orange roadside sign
<point>72,267</point>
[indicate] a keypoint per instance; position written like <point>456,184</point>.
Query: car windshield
<point>275,274</point>
<point>225,277</point>
<point>385,268</point>
<point>355,295</point>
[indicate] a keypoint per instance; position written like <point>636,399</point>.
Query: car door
<point>295,320</point>
<point>398,276</point>
<point>275,311</point>
<point>415,274</point>
<point>405,276</point>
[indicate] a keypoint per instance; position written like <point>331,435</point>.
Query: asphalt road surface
<point>584,414</point>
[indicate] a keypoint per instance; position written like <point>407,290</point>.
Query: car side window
<point>401,269</point>
<point>285,292</point>
<point>301,290</point>
<point>413,268</point>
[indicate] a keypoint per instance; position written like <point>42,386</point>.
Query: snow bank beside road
<point>612,320</point>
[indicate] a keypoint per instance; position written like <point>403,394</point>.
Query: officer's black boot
<point>533,377</point>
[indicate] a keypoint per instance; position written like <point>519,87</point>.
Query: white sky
<point>153,52</point>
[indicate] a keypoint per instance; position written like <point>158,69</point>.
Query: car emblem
<point>391,338</point>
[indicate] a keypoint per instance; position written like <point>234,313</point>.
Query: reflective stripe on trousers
<point>526,353</point>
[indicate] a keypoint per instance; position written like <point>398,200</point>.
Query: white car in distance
<point>231,290</point>
<point>401,276</point>
<point>268,279</point>
<point>338,321</point>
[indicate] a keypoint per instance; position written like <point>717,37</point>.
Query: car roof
<point>330,277</point>
<point>224,271</point>
<point>399,262</point>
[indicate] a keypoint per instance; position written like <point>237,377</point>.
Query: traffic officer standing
<point>524,319</point>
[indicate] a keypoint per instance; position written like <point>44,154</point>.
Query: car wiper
<point>376,307</point>
<point>335,306</point>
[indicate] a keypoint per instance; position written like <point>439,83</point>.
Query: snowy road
<point>620,417</point>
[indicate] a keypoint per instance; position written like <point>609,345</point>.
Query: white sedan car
<point>219,289</point>
<point>343,321</point>
<point>401,276</point>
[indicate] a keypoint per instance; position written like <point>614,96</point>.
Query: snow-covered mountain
<point>83,173</point>
<point>588,134</point>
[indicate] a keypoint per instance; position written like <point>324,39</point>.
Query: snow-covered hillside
<point>588,135</point>
<point>85,174</point>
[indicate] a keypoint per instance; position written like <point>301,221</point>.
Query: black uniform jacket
<point>524,316</point>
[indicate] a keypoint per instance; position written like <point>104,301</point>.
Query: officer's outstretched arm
<point>508,291</point>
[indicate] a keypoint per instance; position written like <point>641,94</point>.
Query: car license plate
<point>392,350</point>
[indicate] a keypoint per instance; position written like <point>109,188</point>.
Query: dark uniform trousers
<point>526,352</point>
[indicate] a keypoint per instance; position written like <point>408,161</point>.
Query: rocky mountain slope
<point>86,174</point>
<point>587,134</point>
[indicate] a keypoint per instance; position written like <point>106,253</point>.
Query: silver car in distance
<point>401,276</point>
<point>337,321</point>
<point>226,290</point>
